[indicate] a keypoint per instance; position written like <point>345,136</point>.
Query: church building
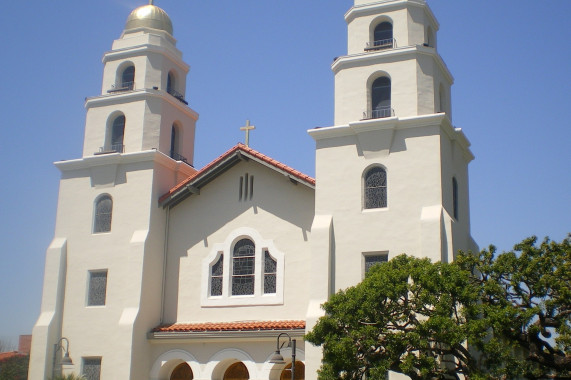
<point>159,270</point>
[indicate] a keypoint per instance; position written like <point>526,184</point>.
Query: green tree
<point>526,300</point>
<point>480,316</point>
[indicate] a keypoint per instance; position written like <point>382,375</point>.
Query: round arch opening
<point>182,372</point>
<point>299,371</point>
<point>236,371</point>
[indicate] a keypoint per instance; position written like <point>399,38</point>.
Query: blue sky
<point>269,61</point>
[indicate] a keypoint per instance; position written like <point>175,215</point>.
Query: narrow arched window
<point>441,99</point>
<point>383,35</point>
<point>429,37</point>
<point>243,268</point>
<point>117,134</point>
<point>217,277</point>
<point>170,84</point>
<point>128,78</point>
<point>102,215</point>
<point>174,152</point>
<point>381,98</point>
<point>375,188</point>
<point>455,197</point>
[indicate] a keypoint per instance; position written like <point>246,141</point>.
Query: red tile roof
<point>248,152</point>
<point>231,326</point>
<point>9,355</point>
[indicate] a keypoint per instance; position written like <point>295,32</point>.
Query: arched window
<point>381,98</point>
<point>217,277</point>
<point>270,271</point>
<point>375,188</point>
<point>182,372</point>
<point>175,140</point>
<point>103,213</point>
<point>117,134</point>
<point>441,99</point>
<point>429,37</point>
<point>171,83</point>
<point>243,267</point>
<point>299,371</point>
<point>383,35</point>
<point>237,371</point>
<point>455,197</point>
<point>128,78</point>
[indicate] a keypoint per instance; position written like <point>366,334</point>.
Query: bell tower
<point>142,105</point>
<point>392,172</point>
<point>104,267</point>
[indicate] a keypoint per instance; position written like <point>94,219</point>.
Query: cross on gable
<point>247,128</point>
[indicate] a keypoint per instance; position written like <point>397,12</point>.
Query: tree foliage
<point>14,368</point>
<point>482,316</point>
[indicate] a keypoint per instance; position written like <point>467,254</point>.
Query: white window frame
<point>226,248</point>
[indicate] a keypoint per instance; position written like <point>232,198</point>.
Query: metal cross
<point>151,2</point>
<point>247,128</point>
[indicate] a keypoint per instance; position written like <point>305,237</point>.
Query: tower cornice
<point>407,52</point>
<point>137,95</point>
<point>395,123</point>
<point>388,5</point>
<point>138,50</point>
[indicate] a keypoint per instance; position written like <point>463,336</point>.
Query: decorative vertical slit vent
<point>246,189</point>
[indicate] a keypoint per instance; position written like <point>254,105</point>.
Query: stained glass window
<point>270,269</point>
<point>375,188</point>
<point>216,276</point>
<point>371,260</point>
<point>92,368</point>
<point>243,266</point>
<point>97,288</point>
<point>103,213</point>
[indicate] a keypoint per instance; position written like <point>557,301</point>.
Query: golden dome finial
<point>149,16</point>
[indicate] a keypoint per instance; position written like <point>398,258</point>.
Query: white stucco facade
<point>146,249</point>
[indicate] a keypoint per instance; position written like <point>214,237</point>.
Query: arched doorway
<point>299,371</point>
<point>182,372</point>
<point>237,371</point>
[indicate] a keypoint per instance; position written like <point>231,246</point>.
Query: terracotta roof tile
<point>234,149</point>
<point>231,326</point>
<point>9,355</point>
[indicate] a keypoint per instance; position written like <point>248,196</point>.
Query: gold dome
<point>149,16</point>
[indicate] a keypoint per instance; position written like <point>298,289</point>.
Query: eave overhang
<point>223,163</point>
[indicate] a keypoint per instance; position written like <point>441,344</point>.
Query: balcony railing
<point>381,44</point>
<point>125,86</point>
<point>178,157</point>
<point>177,95</point>
<point>113,148</point>
<point>378,113</point>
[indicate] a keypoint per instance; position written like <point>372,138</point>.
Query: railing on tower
<point>178,157</point>
<point>125,86</point>
<point>381,44</point>
<point>378,113</point>
<point>113,148</point>
<point>177,95</point>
